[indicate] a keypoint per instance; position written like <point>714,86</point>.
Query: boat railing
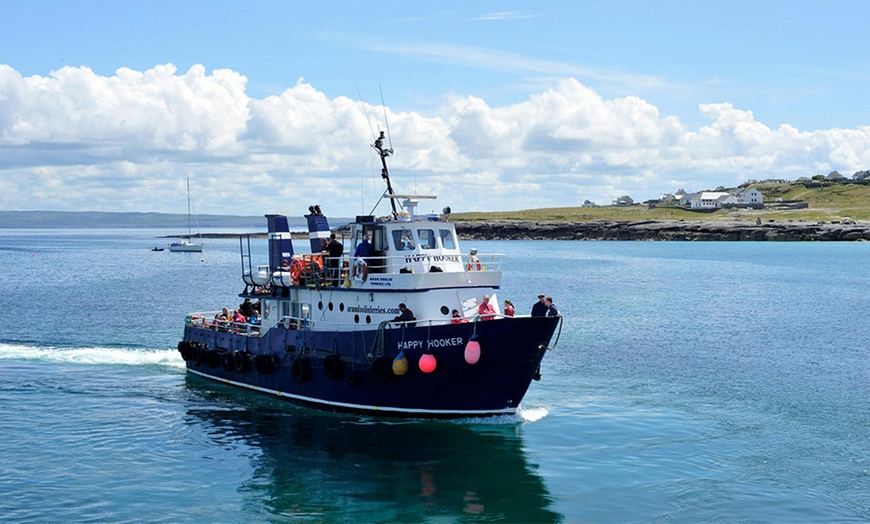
<point>207,320</point>
<point>413,262</point>
<point>299,323</point>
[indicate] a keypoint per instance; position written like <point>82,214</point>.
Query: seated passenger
<point>458,319</point>
<point>406,316</point>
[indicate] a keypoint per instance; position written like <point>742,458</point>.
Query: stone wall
<point>662,230</point>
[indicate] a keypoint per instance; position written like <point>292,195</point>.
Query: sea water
<point>690,382</point>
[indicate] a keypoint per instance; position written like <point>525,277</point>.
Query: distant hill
<point>98,220</point>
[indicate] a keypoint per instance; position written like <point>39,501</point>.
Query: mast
<point>385,174</point>
<point>188,208</point>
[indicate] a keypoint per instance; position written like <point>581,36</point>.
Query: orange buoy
<point>427,363</point>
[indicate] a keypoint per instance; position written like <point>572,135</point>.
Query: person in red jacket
<point>485,309</point>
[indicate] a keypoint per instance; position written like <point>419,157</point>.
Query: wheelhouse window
<point>403,240</point>
<point>447,239</point>
<point>427,238</point>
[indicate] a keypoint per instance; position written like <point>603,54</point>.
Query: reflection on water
<point>317,465</point>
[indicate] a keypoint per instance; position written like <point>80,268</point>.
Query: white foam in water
<point>93,355</point>
<point>522,416</point>
<point>532,414</point>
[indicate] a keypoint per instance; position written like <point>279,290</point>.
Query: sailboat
<point>186,244</point>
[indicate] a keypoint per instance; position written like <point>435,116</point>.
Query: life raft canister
<point>360,271</point>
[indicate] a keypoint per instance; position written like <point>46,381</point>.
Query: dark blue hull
<point>353,371</point>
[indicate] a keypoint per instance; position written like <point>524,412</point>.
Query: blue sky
<point>492,105</point>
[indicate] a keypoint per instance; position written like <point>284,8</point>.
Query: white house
<point>711,200</point>
<point>747,195</point>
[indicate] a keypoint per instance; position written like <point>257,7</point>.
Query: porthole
<point>330,306</point>
<point>368,319</point>
<point>356,319</point>
<point>341,307</point>
<point>445,310</point>
<point>320,305</point>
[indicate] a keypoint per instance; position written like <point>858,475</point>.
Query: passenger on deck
<point>255,318</point>
<point>508,308</point>
<point>485,309</point>
<point>239,317</point>
<point>335,249</point>
<point>223,319</point>
<point>406,316</point>
<point>540,308</point>
<point>551,308</point>
<point>457,318</point>
<point>247,307</point>
<point>364,249</point>
<point>473,261</point>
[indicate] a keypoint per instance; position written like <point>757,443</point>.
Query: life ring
<point>473,264</point>
<point>333,366</point>
<point>382,367</point>
<point>295,270</point>
<point>240,361</point>
<point>360,271</point>
<point>301,369</point>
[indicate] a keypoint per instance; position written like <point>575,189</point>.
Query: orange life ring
<point>360,270</point>
<point>295,269</point>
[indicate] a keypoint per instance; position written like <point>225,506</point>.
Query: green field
<point>837,202</point>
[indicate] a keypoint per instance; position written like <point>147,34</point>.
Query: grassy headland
<point>834,202</point>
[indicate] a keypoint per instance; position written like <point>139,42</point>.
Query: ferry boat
<point>332,334</point>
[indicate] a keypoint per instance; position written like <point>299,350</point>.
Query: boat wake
<point>522,416</point>
<point>93,355</point>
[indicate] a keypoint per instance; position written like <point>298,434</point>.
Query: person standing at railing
<point>334,249</point>
<point>473,261</point>
<point>551,308</point>
<point>540,308</point>
<point>508,308</point>
<point>485,309</point>
<point>364,249</point>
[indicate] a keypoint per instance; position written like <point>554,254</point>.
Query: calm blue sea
<point>692,382</point>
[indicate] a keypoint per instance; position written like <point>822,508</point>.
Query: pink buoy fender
<point>472,350</point>
<point>427,363</point>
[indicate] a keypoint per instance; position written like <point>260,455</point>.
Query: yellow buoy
<point>400,365</point>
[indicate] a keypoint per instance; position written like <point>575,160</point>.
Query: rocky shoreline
<point>663,230</point>
<point>687,230</point>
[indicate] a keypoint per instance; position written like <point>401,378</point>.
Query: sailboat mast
<point>188,208</point>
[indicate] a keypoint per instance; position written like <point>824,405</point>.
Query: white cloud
<point>126,142</point>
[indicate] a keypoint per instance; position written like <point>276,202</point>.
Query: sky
<point>269,107</point>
